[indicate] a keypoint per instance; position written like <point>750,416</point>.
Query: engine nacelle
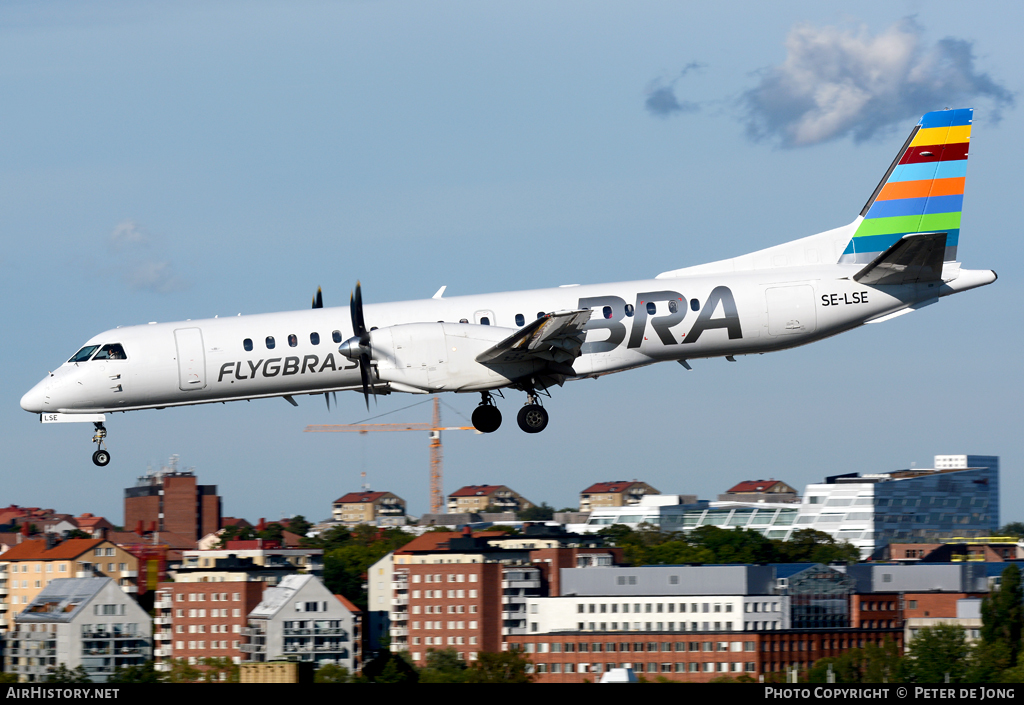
<point>442,356</point>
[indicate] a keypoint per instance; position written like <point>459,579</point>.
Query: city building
<point>620,493</point>
<point>87,622</point>
<point>262,552</point>
<point>300,620</point>
<point>693,623</point>
<point>579,657</point>
<point>31,565</point>
<point>760,491</point>
<point>203,612</point>
<point>474,499</point>
<point>172,500</point>
<point>869,510</point>
<point>957,549</point>
<point>373,508</point>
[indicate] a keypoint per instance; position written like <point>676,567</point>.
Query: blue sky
<point>162,162</point>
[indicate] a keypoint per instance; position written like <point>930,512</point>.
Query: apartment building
<point>473,499</point>
<point>299,619</point>
<point>202,613</point>
<point>618,493</point>
<point>31,565</point>
<point>372,508</point>
<point>263,552</point>
<point>88,622</point>
<point>172,500</point>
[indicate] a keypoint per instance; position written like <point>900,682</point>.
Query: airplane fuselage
<point>633,324</point>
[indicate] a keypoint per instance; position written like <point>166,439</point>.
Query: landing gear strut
<point>486,417</point>
<point>532,418</point>
<point>101,457</point>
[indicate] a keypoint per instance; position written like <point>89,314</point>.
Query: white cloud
<point>137,265</point>
<point>126,234</point>
<point>835,82</point>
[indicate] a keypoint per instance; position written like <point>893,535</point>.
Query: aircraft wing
<point>912,258</point>
<point>555,338</point>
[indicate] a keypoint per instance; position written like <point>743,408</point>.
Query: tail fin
<point>922,192</point>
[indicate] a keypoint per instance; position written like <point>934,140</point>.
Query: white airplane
<point>897,256</point>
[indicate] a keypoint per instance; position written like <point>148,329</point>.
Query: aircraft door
<point>191,359</point>
<point>791,310</point>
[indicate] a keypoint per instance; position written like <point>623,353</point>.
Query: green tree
<point>389,667</point>
<point>298,525</point>
<point>182,672</point>
<point>235,533</point>
<point>936,652</point>
<point>274,531</point>
<point>331,673</point>
<point>810,546</point>
<point>443,666</point>
<point>542,513</point>
<point>142,673</point>
<point>1002,618</point>
<point>500,667</point>
<point>870,664</point>
<point>219,670</point>
<point>1014,528</point>
<point>63,674</point>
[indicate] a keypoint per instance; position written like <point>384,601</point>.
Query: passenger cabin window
<point>84,354</point>
<point>463,320</point>
<point>270,342</point>
<point>111,351</point>
<point>485,321</point>
<point>314,338</point>
<point>540,314</point>
<point>694,305</point>
<point>247,344</point>
<point>607,311</point>
<point>520,319</point>
<point>651,308</point>
<point>293,340</point>
<point>672,306</point>
<point>336,336</point>
<point>629,310</point>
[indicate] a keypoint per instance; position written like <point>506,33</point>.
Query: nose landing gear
<point>101,457</point>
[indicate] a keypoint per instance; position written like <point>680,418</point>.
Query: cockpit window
<point>111,351</point>
<point>84,354</point>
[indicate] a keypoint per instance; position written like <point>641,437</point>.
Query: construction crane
<point>434,428</point>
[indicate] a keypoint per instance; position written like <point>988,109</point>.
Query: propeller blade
<point>364,374</point>
<point>318,300</point>
<point>356,309</point>
<point>327,398</point>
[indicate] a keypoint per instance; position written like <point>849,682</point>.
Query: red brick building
<point>687,657</point>
<point>172,501</point>
<point>202,614</point>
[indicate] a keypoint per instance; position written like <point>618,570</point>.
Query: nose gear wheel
<point>101,457</point>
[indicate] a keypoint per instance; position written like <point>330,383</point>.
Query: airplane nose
<point>33,400</point>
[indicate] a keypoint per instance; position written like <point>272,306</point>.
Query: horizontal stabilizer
<point>911,259</point>
<point>555,338</point>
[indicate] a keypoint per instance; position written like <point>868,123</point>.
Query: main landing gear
<point>486,417</point>
<point>101,457</point>
<point>532,418</point>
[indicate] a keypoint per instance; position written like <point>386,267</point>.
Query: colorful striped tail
<point>923,190</point>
